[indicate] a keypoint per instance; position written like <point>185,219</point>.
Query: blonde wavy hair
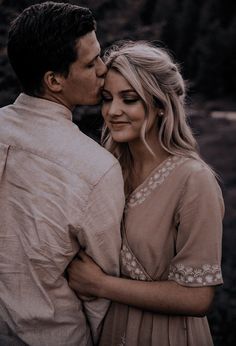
<point>155,77</point>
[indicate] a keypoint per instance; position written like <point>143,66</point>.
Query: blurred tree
<point>9,86</point>
<point>201,34</point>
<point>213,52</point>
<point>147,11</point>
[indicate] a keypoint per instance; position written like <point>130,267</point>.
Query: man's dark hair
<point>43,38</point>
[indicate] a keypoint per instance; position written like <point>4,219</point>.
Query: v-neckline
<point>156,168</point>
<point>155,178</point>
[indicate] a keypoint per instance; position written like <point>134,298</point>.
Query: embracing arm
<point>166,297</point>
<point>100,236</point>
<point>163,296</point>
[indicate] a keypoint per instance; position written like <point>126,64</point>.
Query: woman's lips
<point>118,124</point>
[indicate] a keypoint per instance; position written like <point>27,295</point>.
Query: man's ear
<point>53,81</point>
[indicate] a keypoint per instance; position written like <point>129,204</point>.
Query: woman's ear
<point>53,81</point>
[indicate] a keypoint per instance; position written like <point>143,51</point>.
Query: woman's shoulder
<point>196,168</point>
<point>197,175</point>
<point>198,184</point>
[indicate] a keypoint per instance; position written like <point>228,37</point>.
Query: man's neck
<point>57,99</point>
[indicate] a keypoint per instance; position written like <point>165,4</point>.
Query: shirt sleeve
<point>199,232</point>
<point>102,236</point>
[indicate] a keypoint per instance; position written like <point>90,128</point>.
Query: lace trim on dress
<point>205,275</point>
<point>156,179</point>
<point>123,342</point>
<point>131,265</point>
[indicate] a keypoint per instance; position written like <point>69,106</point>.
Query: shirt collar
<point>52,109</point>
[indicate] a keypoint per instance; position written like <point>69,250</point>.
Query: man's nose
<point>101,69</point>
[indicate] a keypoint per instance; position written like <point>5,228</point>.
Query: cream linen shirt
<point>59,191</point>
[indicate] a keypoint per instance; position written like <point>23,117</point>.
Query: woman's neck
<point>144,160</point>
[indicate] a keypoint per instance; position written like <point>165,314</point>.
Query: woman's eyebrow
<point>128,91</point>
<point>125,91</point>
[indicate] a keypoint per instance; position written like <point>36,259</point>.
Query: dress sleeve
<point>102,236</point>
<point>197,261</point>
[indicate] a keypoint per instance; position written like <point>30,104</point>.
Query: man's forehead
<point>88,46</point>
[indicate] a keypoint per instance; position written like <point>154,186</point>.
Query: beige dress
<point>172,231</point>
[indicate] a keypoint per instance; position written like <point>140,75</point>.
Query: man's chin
<point>95,101</point>
<point>91,102</point>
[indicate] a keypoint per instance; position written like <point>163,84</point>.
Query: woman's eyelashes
<point>126,100</point>
<point>131,100</point>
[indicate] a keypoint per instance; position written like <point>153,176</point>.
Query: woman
<point>172,228</point>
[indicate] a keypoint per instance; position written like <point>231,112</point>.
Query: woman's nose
<point>115,109</point>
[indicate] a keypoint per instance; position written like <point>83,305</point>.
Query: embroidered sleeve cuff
<point>206,275</point>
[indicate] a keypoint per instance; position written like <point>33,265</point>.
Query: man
<point>59,190</point>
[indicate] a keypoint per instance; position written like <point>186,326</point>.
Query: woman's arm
<point>167,297</point>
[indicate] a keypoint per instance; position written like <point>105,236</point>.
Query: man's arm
<point>102,237</point>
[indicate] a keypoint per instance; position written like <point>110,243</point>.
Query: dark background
<point>201,34</point>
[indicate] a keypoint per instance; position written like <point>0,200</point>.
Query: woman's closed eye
<point>131,100</point>
<point>126,100</point>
